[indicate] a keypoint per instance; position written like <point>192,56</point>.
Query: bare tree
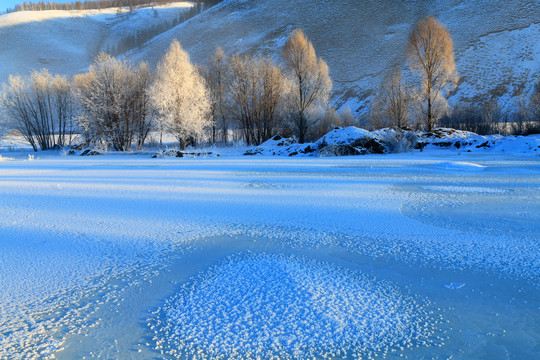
<point>393,101</point>
<point>142,109</point>
<point>347,117</point>
<point>257,88</point>
<point>431,57</point>
<point>180,96</point>
<point>521,116</point>
<point>329,121</point>
<point>40,107</point>
<point>534,125</point>
<point>311,83</point>
<point>217,81</point>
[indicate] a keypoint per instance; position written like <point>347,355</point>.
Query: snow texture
<point>275,306</point>
<point>74,228</point>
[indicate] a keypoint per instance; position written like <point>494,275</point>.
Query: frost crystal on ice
<point>277,306</point>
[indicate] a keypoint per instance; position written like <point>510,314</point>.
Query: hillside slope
<point>497,42</point>
<point>67,41</point>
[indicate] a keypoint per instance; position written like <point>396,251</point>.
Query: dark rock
<point>251,152</point>
<point>168,153</point>
<point>308,150</point>
<point>483,145</point>
<point>371,145</point>
<point>338,150</point>
<point>443,144</point>
<point>90,152</point>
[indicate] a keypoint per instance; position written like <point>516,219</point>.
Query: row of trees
<point>421,103</point>
<point>430,55</point>
<point>96,4</point>
<point>116,104</point>
<point>142,36</point>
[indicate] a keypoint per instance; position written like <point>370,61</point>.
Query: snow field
<point>72,229</point>
<point>279,306</point>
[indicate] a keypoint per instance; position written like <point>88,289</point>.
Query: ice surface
<point>75,233</point>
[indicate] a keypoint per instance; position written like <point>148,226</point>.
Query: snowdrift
<point>355,141</point>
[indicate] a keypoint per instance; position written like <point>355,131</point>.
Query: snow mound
<point>341,136</point>
<point>281,146</point>
<point>277,306</point>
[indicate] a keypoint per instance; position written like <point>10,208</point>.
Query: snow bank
<point>280,146</point>
<point>384,141</point>
<point>465,141</point>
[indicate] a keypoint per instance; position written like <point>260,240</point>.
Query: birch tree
<point>310,79</point>
<point>431,57</point>
<point>180,96</point>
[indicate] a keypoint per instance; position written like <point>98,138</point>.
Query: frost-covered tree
<point>40,108</point>
<point>310,82</point>
<point>114,101</point>
<point>180,96</point>
<point>431,57</point>
<point>257,88</point>
<point>217,80</point>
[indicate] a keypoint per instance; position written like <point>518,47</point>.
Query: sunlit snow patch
<point>277,306</point>
<point>459,166</point>
<point>464,189</point>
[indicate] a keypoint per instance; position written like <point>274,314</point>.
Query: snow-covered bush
<point>397,140</point>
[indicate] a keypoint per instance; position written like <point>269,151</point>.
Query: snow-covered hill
<point>497,42</point>
<point>66,42</point>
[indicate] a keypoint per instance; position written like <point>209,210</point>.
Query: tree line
<point>97,4</point>
<point>422,103</point>
<point>142,36</point>
<point>117,104</point>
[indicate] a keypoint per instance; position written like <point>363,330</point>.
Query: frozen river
<point>415,255</point>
